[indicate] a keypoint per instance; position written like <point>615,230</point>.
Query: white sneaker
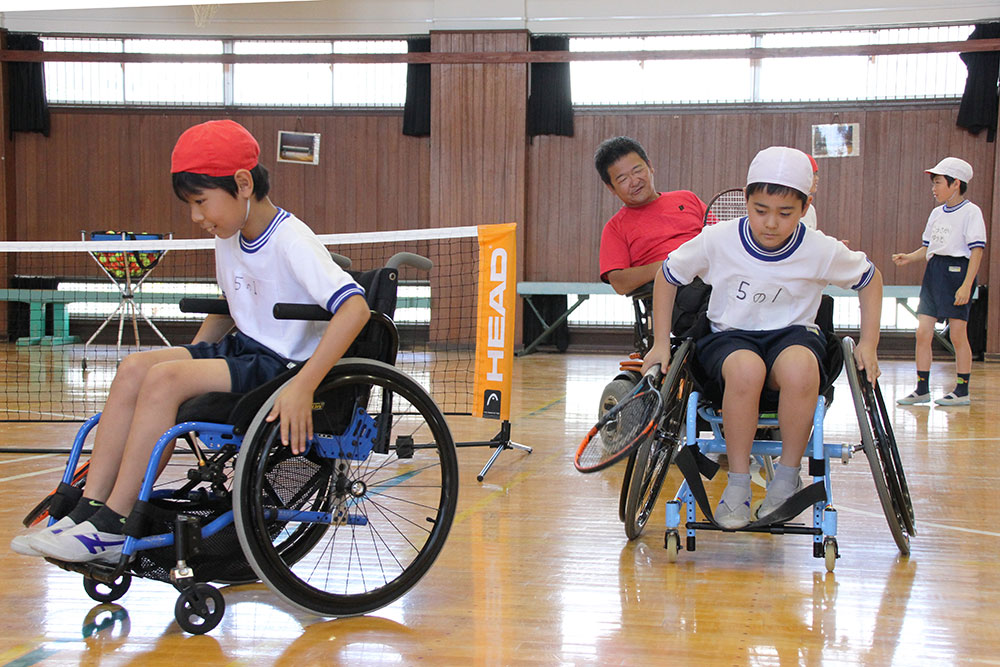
<point>952,399</point>
<point>81,544</point>
<point>913,398</point>
<point>22,543</point>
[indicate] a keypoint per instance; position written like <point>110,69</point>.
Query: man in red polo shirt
<point>649,226</point>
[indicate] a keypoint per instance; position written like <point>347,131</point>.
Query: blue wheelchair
<point>343,529</point>
<point>690,429</point>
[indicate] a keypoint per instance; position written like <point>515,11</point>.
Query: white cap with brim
<point>782,165</point>
<point>954,167</point>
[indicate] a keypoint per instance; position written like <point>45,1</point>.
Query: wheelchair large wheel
<point>363,514</point>
<point>612,395</point>
<point>880,449</point>
<point>653,456</point>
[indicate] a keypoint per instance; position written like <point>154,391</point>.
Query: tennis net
<point>75,309</point>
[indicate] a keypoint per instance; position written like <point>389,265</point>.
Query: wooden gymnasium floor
<point>537,569</point>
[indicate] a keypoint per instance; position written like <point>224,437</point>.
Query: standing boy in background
<point>953,243</point>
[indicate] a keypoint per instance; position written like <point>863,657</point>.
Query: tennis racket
<point>622,427</point>
<point>726,205</point>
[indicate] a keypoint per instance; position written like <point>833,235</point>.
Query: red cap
<point>812,161</point>
<point>215,148</point>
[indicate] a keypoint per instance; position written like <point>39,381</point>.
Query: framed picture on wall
<point>836,140</point>
<point>300,147</point>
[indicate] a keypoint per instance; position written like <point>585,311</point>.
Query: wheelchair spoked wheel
<point>652,458</point>
<point>880,449</point>
<point>341,530</point>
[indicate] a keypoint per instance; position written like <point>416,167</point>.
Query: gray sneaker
<point>952,399</point>
<point>914,398</point>
<point>777,493</point>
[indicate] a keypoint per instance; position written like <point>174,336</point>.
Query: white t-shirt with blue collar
<point>285,264</point>
<point>755,289</point>
<point>954,231</point>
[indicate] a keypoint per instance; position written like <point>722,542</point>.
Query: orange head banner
<point>495,321</point>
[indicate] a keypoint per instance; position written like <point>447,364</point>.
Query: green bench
<point>39,299</point>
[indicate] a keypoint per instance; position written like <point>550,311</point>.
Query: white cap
<point>954,167</point>
<point>782,165</point>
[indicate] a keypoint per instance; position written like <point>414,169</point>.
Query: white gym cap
<point>782,165</point>
<point>954,167</point>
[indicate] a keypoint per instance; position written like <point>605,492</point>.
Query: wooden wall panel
<point>110,170</point>
<point>878,201</point>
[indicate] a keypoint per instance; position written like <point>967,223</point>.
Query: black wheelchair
<point>343,529</point>
<point>691,409</point>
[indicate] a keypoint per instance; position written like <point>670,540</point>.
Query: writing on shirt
<point>754,303</point>
<point>246,285</point>
<point>746,291</point>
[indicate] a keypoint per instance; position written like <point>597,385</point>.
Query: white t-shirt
<point>755,289</point>
<point>285,264</point>
<point>955,231</point>
<point>809,219</point>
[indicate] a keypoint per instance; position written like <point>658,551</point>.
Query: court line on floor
<point>942,526</point>
<point>29,458</point>
<point>32,474</point>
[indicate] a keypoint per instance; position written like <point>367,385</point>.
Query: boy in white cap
<point>767,272</point>
<point>953,243</point>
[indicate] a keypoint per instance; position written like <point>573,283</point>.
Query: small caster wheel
<point>199,609</point>
<point>830,553</point>
<point>102,592</point>
<point>672,543</point>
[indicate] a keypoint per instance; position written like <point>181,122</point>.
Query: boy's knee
<point>744,371</point>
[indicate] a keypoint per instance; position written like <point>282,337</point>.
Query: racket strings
<point>633,420</point>
<point>726,206</point>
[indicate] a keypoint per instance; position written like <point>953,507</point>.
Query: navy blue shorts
<point>250,363</point>
<point>712,350</point>
<point>942,278</point>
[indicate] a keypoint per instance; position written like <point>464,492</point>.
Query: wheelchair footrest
<point>774,529</point>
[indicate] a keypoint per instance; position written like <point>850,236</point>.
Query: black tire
<point>653,456</point>
<point>102,592</point>
<point>613,393</point>
<point>388,515</point>
<point>199,609</point>
<point>877,444</point>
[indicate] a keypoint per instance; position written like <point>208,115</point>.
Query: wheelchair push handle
<point>341,260</point>
<point>410,259</point>
<point>207,305</point>
<point>300,311</point>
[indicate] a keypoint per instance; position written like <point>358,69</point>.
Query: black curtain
<point>978,110</point>
<point>417,108</point>
<point>29,111</point>
<point>550,104</point>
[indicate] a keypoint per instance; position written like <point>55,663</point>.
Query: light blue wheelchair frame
<point>824,515</point>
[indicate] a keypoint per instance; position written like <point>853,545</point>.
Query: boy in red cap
<point>953,243</point>
<point>264,255</point>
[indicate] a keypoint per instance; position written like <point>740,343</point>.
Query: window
<point>215,84</point>
<point>812,79</point>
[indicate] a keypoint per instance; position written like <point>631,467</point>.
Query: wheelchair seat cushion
<point>831,363</point>
<point>235,408</point>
